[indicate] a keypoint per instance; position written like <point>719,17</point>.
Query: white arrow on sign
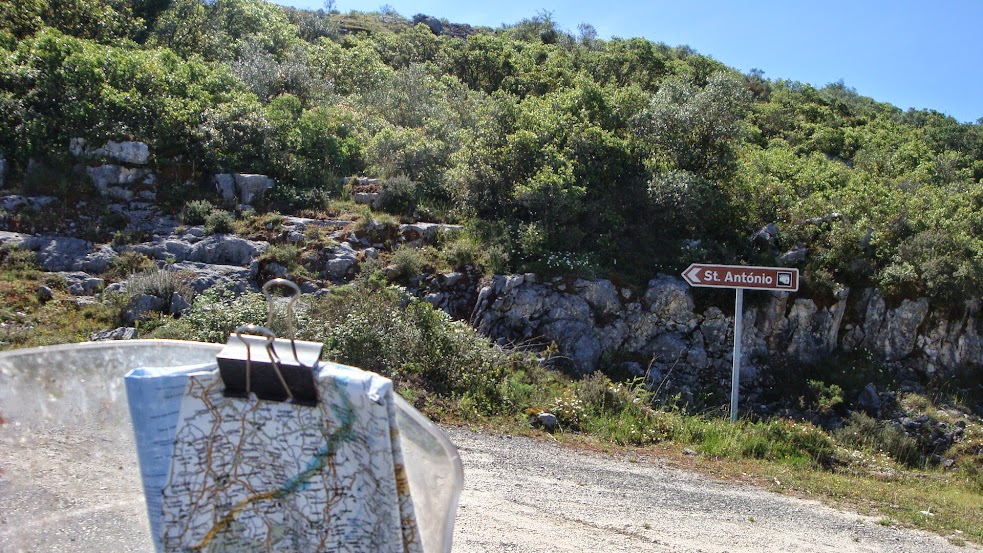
<point>693,274</point>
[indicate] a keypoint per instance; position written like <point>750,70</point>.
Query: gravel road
<point>67,491</point>
<point>525,495</point>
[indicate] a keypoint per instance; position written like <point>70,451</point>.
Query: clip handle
<point>274,358</point>
<point>290,305</point>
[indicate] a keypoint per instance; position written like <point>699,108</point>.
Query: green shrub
<point>379,328</point>
<point>460,253</point>
<point>128,263</point>
<point>18,259</point>
<point>161,282</point>
<point>777,439</point>
<point>51,176</point>
<point>619,412</point>
<point>496,260</point>
<point>530,385</point>
<point>215,314</point>
<point>196,212</point>
<point>398,196</point>
<point>219,221</point>
<point>868,434</point>
<point>794,441</point>
<point>971,468</point>
<point>290,198</point>
<point>271,220</point>
<point>407,263</point>
<point>126,238</point>
<point>378,228</point>
<point>826,398</point>
<point>284,254</point>
<point>569,410</point>
<point>318,238</point>
<point>600,395</point>
<point>942,265</point>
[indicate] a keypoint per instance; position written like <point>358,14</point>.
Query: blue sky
<point>907,53</point>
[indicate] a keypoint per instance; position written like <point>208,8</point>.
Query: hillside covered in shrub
<point>560,152</point>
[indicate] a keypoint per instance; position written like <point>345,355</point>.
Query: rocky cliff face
<point>663,333</point>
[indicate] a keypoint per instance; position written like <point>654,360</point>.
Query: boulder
<point>670,299</point>
<point>121,333</point>
<point>98,260</point>
<point>109,175</point>
<point>179,250</point>
<point>298,224</point>
<point>669,348</point>
<point>601,295</point>
<point>58,253</point>
<point>339,267</point>
<point>114,288</point>
<point>797,254</point>
<point>128,152</point>
<point>766,236</point>
<point>120,183</point>
<point>869,400</point>
<point>251,187</point>
<point>44,294</point>
<point>367,198</point>
<point>82,284</point>
<point>140,306</point>
<point>76,147</point>
<point>170,248</point>
<point>812,332</point>
<point>179,305</point>
<point>224,249</point>
<point>14,203</point>
<point>425,232</point>
<point>276,270</point>
<point>547,421</point>
<point>225,185</point>
<point>430,21</point>
<point>236,279</point>
<point>62,253</point>
<point>125,152</point>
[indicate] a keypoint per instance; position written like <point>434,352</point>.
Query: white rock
<point>251,187</point>
<point>226,250</point>
<point>366,198</point>
<point>225,185</point>
<point>132,153</point>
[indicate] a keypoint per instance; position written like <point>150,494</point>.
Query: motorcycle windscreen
<point>69,477</point>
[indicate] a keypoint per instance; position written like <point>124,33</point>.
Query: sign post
<point>740,277</point>
<point>735,373</point>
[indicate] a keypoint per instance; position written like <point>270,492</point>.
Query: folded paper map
<point>241,474</point>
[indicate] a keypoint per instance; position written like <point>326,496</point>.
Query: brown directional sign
<point>740,276</point>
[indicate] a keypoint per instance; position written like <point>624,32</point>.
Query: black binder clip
<point>255,361</point>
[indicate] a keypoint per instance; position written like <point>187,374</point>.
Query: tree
<point>692,129</point>
<point>20,19</point>
<point>588,34</point>
<point>218,30</point>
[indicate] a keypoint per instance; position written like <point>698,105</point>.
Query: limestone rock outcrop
<point>242,187</point>
<point>663,329</point>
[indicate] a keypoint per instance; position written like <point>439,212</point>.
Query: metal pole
<point>735,382</point>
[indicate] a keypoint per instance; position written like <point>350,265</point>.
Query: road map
<point>230,474</point>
